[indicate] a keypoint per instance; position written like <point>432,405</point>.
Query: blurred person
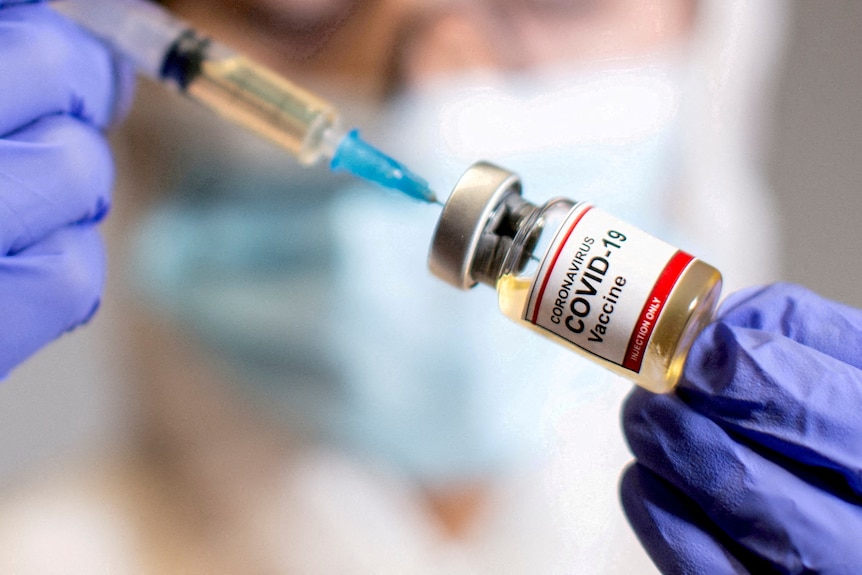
<point>308,400</point>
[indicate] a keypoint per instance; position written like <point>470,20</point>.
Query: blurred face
<point>377,46</point>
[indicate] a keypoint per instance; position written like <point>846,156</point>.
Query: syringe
<point>164,48</point>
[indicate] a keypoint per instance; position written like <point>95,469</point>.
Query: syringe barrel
<point>266,103</point>
<point>166,49</point>
<point>140,30</point>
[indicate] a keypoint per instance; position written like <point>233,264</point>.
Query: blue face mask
<point>322,303</point>
<point>606,135</point>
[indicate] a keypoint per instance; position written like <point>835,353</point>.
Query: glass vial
<point>577,275</point>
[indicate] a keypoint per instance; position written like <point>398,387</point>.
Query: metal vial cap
<point>465,230</point>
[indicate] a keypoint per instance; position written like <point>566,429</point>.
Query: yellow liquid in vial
<point>266,104</point>
<point>688,310</point>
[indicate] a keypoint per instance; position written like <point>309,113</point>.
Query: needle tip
<point>361,159</point>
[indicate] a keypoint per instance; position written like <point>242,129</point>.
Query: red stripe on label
<point>652,309</point>
<point>553,265</point>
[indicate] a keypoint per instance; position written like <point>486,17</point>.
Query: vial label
<point>603,285</point>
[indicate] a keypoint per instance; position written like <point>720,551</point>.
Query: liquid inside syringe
<point>240,90</point>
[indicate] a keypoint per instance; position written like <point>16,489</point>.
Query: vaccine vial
<point>577,275</point>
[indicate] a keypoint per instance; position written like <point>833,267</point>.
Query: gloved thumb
<point>781,369</point>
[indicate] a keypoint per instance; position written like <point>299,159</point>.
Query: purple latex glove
<point>58,90</point>
<point>754,465</point>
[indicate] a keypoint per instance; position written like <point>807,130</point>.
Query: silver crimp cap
<point>465,237</point>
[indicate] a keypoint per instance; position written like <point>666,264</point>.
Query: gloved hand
<point>754,465</point>
<point>58,90</point>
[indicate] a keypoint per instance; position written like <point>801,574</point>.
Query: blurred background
<point>815,163</point>
<point>60,406</point>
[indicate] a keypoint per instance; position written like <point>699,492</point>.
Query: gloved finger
<point>47,290</point>
<point>56,172</point>
<point>795,405</point>
<point>768,510</point>
<point>678,536</point>
<point>49,66</point>
<point>801,315</point>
